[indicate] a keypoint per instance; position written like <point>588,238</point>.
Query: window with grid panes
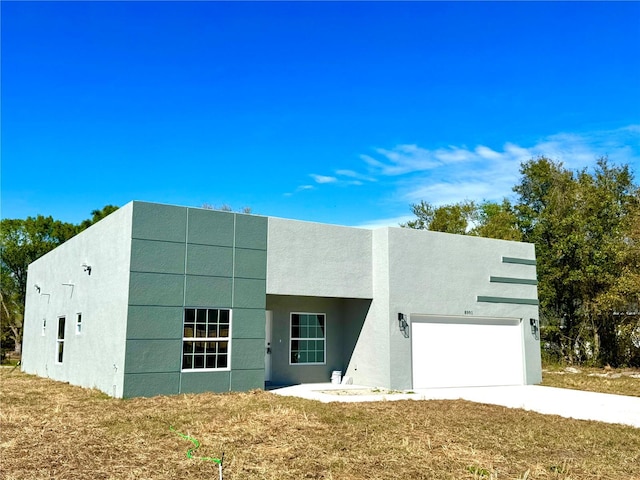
<point>307,338</point>
<point>206,338</point>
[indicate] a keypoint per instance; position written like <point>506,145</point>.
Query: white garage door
<point>466,352</point>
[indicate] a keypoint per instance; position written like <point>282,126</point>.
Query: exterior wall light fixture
<point>535,329</point>
<point>37,287</point>
<point>403,324</point>
<point>86,268</point>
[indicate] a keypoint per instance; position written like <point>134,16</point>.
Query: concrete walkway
<point>601,407</point>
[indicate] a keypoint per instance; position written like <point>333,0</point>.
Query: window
<point>205,338</point>
<point>60,340</point>
<point>307,338</point>
<point>78,324</point>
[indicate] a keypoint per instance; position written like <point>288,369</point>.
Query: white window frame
<point>205,339</point>
<point>60,339</point>
<point>300,338</point>
<point>79,323</point>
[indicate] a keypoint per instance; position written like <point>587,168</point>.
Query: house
<point>157,299</point>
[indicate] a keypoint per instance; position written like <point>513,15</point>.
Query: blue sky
<point>337,112</point>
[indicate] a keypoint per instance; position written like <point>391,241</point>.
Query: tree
<point>624,297</point>
<point>497,221</point>
<point>580,223</point>
<point>488,219</point>
<point>10,312</point>
<point>96,216</point>
<point>22,242</point>
<point>454,218</point>
<point>547,213</point>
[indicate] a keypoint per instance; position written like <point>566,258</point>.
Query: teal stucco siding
<point>184,257</point>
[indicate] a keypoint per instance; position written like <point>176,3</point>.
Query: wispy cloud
<point>386,222</point>
<point>409,173</point>
<point>301,188</point>
<point>323,178</point>
<point>341,178</point>
<point>402,159</point>
<point>348,173</point>
<point>358,178</point>
<point>456,173</point>
<point>481,173</point>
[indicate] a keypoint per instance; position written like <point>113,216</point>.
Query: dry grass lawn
<point>618,381</point>
<point>51,430</point>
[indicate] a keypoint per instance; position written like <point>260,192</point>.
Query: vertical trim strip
<point>233,263</point>
<point>184,296</point>
<point>233,298</point>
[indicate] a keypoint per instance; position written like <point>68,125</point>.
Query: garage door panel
<point>459,351</point>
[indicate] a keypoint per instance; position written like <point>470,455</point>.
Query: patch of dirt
<point>363,391</point>
<point>608,373</point>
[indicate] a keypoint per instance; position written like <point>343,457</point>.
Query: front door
<point>267,346</point>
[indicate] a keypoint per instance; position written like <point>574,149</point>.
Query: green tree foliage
<point>455,218</point>
<point>487,219</point>
<point>586,228</point>
<point>624,296</point>
<point>96,216</point>
<point>11,312</point>
<point>582,224</point>
<point>22,242</point>
<point>497,220</point>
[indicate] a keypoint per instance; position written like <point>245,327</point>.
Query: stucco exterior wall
<point>317,260</point>
<point>409,271</point>
<point>369,364</point>
<point>444,274</point>
<point>344,321</point>
<point>95,357</point>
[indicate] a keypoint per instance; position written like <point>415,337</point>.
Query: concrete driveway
<point>601,407</point>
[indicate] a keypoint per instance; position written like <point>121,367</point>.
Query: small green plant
<point>479,472</point>
<point>196,445</point>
